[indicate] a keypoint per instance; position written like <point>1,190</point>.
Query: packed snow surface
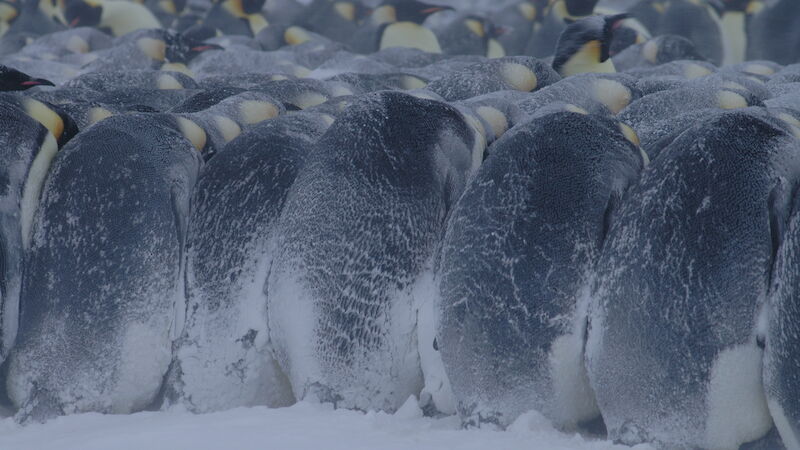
<point>302,426</point>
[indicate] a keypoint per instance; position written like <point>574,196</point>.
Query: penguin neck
<point>587,59</point>
<point>122,17</point>
<point>734,37</point>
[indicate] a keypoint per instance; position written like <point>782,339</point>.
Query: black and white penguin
<point>781,357</point>
<point>470,34</point>
<point>408,14</point>
<point>141,79</point>
<point>552,22</point>
<point>13,80</point>
<point>584,45</point>
<point>602,94</point>
<point>224,359</point>
<point>359,226</point>
<point>114,209</point>
<point>517,19</point>
<point>32,132</point>
<point>515,263</point>
<point>698,21</point>
<point>227,119</point>
<point>519,73</point>
<point>118,17</point>
<point>773,31</point>
<point>338,20</point>
<point>656,51</point>
<point>675,343</point>
<point>236,17</point>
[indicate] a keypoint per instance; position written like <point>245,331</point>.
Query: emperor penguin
<point>118,17</point>
<point>698,21</point>
<point>13,80</point>
<point>338,20</point>
<point>733,26</point>
<point>656,51</point>
<point>555,16</point>
<point>224,358</point>
<point>601,94</point>
<point>520,73</point>
<point>236,17</point>
<point>114,209</point>
<point>773,31</point>
<point>32,134</point>
<point>357,231</point>
<point>584,45</point>
<point>369,34</point>
<point>676,330</point>
<point>781,357</point>
<point>470,34</point>
<point>517,255</point>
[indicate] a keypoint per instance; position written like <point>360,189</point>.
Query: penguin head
<point>8,13</point>
<point>404,11</point>
<point>408,34</point>
<point>80,13</point>
<point>669,47</point>
<point>738,5</point>
<point>585,45</point>
<point>55,119</point>
<point>183,47</point>
<point>580,8</point>
<point>14,80</point>
<point>173,7</point>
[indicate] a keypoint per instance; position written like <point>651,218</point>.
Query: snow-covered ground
<point>302,426</point>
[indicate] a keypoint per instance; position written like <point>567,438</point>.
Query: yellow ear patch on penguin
<point>45,116</point>
<point>257,22</point>
<point>168,6</point>
<point>308,99</point>
<point>759,69</point>
<point>730,100</point>
<point>154,48</point>
<point>629,134</point>
<point>97,114</point>
<point>338,90</point>
<point>527,10</point>
<point>613,94</point>
<point>295,35</point>
<point>346,10</point>
<point>633,138</point>
<point>480,140</point>
<point>409,82</point>
<point>34,183</point>
<point>476,27</point>
<point>328,119</point>
<point>193,133</point>
<point>519,77</point>
<point>575,109</point>
<point>495,118</point>
<point>166,81</point>
<point>7,12</point>
<point>650,52</point>
<point>384,14</point>
<point>692,71</point>
<point>409,34</point>
<point>228,128</point>
<point>254,111</point>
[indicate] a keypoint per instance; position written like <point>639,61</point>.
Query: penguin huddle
<point>540,205</point>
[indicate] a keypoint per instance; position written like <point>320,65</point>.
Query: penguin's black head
<point>587,38</point>
<point>252,6</point>
<point>184,47</point>
<point>737,5</point>
<point>413,11</point>
<point>8,12</point>
<point>79,13</point>
<point>580,8</point>
<point>14,80</point>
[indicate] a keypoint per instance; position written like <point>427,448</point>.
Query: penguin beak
<point>37,82</point>
<point>431,10</point>
<point>206,47</point>
<point>612,23</point>
<point>74,23</point>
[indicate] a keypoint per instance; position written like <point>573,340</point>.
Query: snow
<point>302,426</point>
